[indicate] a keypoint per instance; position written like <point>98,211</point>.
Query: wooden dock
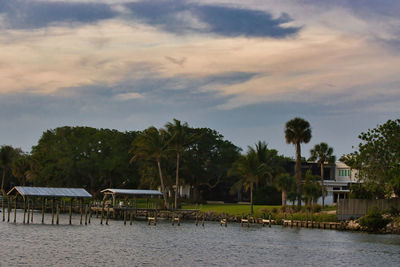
<point>311,224</point>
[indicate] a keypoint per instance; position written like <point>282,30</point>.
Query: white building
<point>339,188</point>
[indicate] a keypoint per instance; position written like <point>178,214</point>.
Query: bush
<point>374,221</point>
<point>316,208</point>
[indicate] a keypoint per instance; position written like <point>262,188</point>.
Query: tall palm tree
<point>180,139</point>
<point>151,144</point>
<point>7,155</point>
<point>250,170</point>
<point>322,153</point>
<point>298,131</point>
<point>285,183</point>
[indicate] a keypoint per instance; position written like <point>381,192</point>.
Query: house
<point>339,188</point>
<point>338,178</point>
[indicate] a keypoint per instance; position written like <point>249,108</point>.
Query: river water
<point>187,245</point>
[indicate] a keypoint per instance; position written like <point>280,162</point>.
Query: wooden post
<point>15,210</point>
<point>269,219</point>
<point>33,207</point>
<point>3,209</point>
<point>108,214</point>
<point>70,211</point>
<point>52,211</point>
<point>307,218</point>
<point>86,214</point>
<point>204,218</point>
<point>27,221</point>
<point>80,204</point>
<point>125,216</point>
<point>90,211</point>
<point>58,213</point>
<point>102,213</point>
<point>24,209</point>
<point>8,208</point>
<point>43,207</point>
<point>97,209</point>
<point>312,220</point>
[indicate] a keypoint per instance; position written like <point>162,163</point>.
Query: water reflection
<point>167,245</point>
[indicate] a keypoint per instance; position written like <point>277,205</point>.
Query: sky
<point>243,68</point>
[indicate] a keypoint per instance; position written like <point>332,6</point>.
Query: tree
<point>7,157</point>
<point>206,162</point>
<point>298,131</point>
<point>312,189</point>
<point>21,168</point>
<point>322,153</point>
<point>284,182</point>
<point>378,159</point>
<point>180,140</point>
<point>83,157</point>
<point>152,144</point>
<point>250,170</point>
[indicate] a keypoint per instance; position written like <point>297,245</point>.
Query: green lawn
<point>231,209</point>
<point>244,209</point>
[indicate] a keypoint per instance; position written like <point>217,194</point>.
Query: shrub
<point>316,208</point>
<point>374,221</point>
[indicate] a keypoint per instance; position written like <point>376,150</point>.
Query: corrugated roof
<point>50,191</point>
<point>132,192</point>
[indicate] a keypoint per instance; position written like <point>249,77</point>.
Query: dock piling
<point>43,203</point>
<point>108,214</point>
<point>8,208</point>
<point>2,206</point>
<point>86,214</point>
<point>58,213</point>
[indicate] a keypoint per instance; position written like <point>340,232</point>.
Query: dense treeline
<point>200,158</point>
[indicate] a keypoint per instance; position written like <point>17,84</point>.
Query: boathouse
<point>126,193</point>
<point>45,196</point>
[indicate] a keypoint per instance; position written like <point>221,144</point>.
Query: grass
<point>259,210</point>
<point>231,209</point>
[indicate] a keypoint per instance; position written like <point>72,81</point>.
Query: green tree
<point>151,145</point>
<point>180,140</point>
<point>312,189</point>
<point>20,168</point>
<point>284,182</point>
<point>298,131</point>
<point>322,153</point>
<point>7,156</point>
<point>378,159</point>
<point>250,169</point>
<point>207,160</point>
<point>83,157</point>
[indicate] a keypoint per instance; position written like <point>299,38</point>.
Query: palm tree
<point>322,153</point>
<point>285,183</point>
<point>7,155</point>
<point>151,145</point>
<point>250,170</point>
<point>298,131</point>
<point>180,139</point>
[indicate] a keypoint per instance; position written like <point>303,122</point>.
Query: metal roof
<point>50,191</point>
<point>131,192</point>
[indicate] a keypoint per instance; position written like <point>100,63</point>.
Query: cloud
<point>183,17</point>
<point>128,96</point>
<point>26,14</point>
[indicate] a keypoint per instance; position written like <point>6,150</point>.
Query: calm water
<point>188,245</point>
